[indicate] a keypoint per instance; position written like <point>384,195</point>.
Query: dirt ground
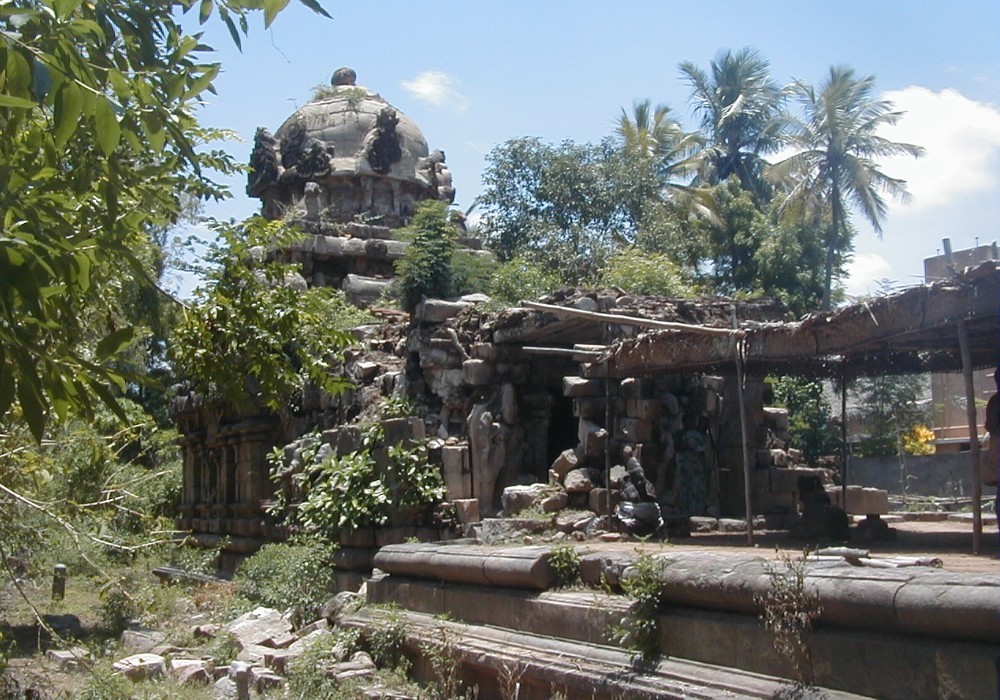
<point>949,541</point>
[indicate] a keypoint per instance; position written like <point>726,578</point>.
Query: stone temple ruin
<point>505,397</point>
<point>540,414</point>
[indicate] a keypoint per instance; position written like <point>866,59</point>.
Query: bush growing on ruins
<point>639,630</point>
<point>520,279</point>
<point>425,269</point>
<point>640,272</point>
<point>565,562</point>
<point>295,574</point>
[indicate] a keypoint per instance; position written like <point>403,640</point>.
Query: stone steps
<point>546,665</point>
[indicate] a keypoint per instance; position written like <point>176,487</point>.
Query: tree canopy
<point>728,220</point>
<point>99,140</point>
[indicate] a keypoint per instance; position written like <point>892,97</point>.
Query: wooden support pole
<point>843,434</point>
<point>607,426</point>
<point>970,412</point>
<point>622,320</point>
<point>745,432</point>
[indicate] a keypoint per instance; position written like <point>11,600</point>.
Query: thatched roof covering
<point>911,331</point>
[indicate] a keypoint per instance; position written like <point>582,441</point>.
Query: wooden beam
<point>970,413</point>
<point>584,355</point>
<point>627,320</point>
<point>745,434</point>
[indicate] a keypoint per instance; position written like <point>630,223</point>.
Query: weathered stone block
<point>477,372</point>
<point>643,409</point>
<point>395,430</point>
<point>457,468</point>
<point>578,481</point>
<point>787,479</point>
<point>566,462</point>
<point>636,388</point>
<point>140,667</point>
<point>776,418</point>
<point>438,310</point>
<point>598,500</point>
<point>634,430</point>
<point>466,510</point>
<point>578,386</point>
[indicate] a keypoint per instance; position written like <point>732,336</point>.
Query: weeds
<point>565,562</point>
<point>639,629</point>
<point>788,613</point>
<point>442,654</point>
<point>385,640</point>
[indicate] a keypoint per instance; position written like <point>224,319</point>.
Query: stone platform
<point>897,633</point>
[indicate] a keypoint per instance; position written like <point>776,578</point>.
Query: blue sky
<point>473,75</point>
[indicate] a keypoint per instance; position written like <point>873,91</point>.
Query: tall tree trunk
<point>836,216</point>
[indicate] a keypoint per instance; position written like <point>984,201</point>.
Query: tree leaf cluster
<point>98,142</point>
<point>253,334</point>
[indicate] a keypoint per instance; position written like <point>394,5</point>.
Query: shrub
<point>566,563</point>
<point>641,272</point>
<point>520,279</point>
<point>425,269</point>
<point>295,574</point>
<point>639,629</point>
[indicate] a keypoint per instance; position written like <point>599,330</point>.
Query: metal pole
<point>970,412</point>
<point>744,430</point>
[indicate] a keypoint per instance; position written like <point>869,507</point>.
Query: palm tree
<point>654,145</point>
<point>657,136</point>
<point>837,165</point>
<point>741,113</point>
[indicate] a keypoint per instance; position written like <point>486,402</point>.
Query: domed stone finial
<point>344,76</point>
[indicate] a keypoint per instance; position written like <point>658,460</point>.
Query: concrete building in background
<point>951,430</point>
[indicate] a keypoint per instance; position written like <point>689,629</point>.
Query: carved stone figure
<point>383,147</point>
<point>312,200</point>
<point>264,167</point>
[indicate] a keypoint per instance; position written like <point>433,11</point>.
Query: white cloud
<point>438,89</point>
<point>962,142</point>
<point>865,272</point>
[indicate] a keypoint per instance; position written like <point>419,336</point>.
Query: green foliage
<point>809,416</point>
<point>889,407</point>
<point>97,143</point>
<point>640,272</point>
<point>252,337</point>
<point>741,110</point>
<point>639,630</point>
<point>295,574</point>
<point>348,492</point>
<point>565,206</point>
<point>425,270</point>
<point>470,273</point>
<point>836,165</point>
<point>788,611</point>
<point>386,638</point>
<point>565,561</point>
<point>520,279</point>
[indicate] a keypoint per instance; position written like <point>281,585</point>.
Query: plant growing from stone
<point>639,629</point>
<point>788,612</point>
<point>442,654</point>
<point>566,563</point>
<point>386,638</point>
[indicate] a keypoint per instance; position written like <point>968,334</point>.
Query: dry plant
<point>788,613</point>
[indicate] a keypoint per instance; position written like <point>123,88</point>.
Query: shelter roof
<point>916,330</point>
